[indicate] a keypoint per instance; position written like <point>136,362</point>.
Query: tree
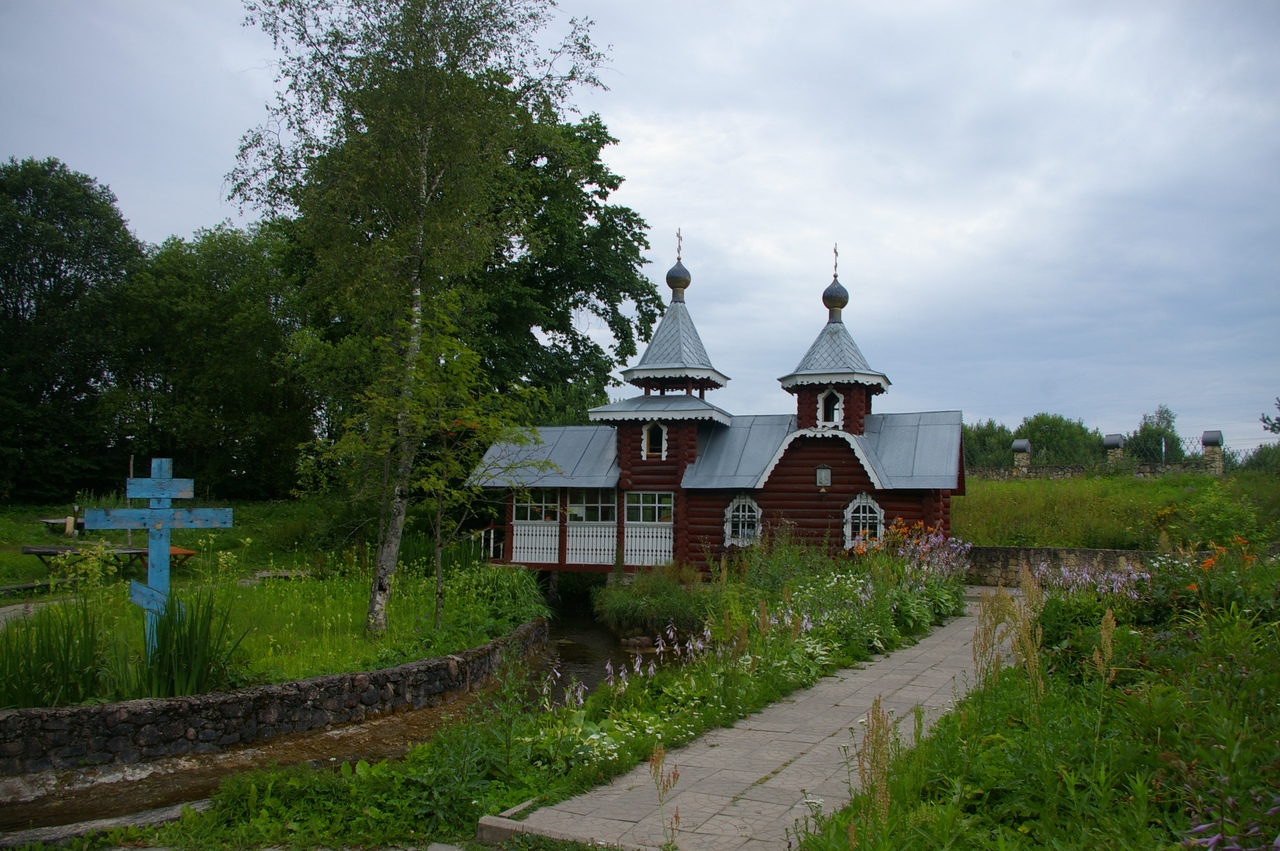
<point>1156,440</point>
<point>64,249</point>
<point>399,127</point>
<point>987,444</point>
<point>1058,440</point>
<point>199,372</point>
<point>1272,424</point>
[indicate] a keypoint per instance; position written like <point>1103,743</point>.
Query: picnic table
<point>127,556</point>
<point>63,525</point>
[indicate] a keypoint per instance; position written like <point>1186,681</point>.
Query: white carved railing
<point>536,541</point>
<point>647,544</point>
<point>591,543</point>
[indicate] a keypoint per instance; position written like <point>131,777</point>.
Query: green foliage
<point>64,249</point>
<point>1264,459</point>
<point>518,745</point>
<point>195,650</point>
<point>654,598</point>
<point>1117,512</point>
<point>197,370</point>
<point>1156,440</point>
<point>987,444</point>
<point>1155,728</point>
<point>52,656</point>
<point>1058,440</point>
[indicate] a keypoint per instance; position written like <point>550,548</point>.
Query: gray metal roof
<point>901,451</point>
<point>833,357</point>
<point>677,406</point>
<point>736,456</point>
<point>567,456</point>
<point>676,351</point>
<point>916,450</point>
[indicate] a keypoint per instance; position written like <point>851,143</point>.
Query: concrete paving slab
<point>747,786</point>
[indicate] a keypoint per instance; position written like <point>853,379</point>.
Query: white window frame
<point>593,505</point>
<point>537,505</point>
<point>649,507</point>
<point>735,515</point>
<point>645,454</point>
<point>862,505</point>
<point>838,422</point>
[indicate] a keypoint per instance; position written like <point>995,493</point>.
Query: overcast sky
<point>1064,207</point>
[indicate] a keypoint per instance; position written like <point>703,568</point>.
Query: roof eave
<point>639,373</point>
<point>716,416</point>
<point>796,379</point>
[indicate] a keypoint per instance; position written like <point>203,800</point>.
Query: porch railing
<point>647,544</point>
<point>536,541</point>
<point>591,543</point>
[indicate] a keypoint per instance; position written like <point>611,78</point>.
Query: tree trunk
<point>406,434</point>
<point>439,554</point>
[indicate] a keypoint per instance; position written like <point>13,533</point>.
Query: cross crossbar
<point>160,518</point>
<point>160,488</point>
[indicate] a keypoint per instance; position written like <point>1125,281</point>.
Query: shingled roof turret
<point>834,358</point>
<point>676,354</point>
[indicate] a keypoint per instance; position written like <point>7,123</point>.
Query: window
<point>862,518</point>
<point>538,504</point>
<point>741,522</point>
<point>593,505</point>
<point>653,445</point>
<point>649,507</point>
<point>830,409</point>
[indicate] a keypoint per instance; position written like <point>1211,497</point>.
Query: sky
<point>1064,207</point>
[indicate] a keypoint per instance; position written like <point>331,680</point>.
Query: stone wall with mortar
<point>1002,565</point>
<point>1077,471</point>
<point>132,731</point>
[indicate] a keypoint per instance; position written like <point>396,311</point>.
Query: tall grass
<point>53,656</point>
<point>1141,717</point>
<point>1118,512</point>
<point>275,631</point>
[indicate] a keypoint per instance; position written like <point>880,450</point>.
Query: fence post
<point>1022,456</point>
<point>1114,444</point>
<point>1212,443</point>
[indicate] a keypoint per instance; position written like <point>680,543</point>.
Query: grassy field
<point>1119,512</point>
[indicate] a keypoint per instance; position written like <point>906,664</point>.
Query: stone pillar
<point>1114,444</point>
<point>1213,459</point>
<point>1022,456</point>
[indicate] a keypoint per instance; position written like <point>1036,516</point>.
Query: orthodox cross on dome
<point>161,517</point>
<point>835,267</point>
<point>679,244</point>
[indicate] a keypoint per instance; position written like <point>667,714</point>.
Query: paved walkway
<point>745,787</point>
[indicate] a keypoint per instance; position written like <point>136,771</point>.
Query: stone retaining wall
<point>1137,469</point>
<point>1002,565</point>
<point>74,736</point>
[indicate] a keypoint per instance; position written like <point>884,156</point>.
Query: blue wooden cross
<point>162,488</point>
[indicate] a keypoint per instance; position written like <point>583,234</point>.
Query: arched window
<point>862,518</point>
<point>653,442</point>
<point>830,409</point>
<point>742,522</point>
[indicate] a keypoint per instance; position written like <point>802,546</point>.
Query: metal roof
<point>916,450</point>
<point>900,451</point>
<point>677,406</point>
<point>676,351</point>
<point>563,457</point>
<point>834,357</point>
<point>735,457</point>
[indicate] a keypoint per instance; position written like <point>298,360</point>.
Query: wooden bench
<point>127,556</point>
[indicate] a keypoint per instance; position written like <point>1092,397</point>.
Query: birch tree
<point>390,139</point>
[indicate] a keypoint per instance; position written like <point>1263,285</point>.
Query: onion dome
<point>678,278</point>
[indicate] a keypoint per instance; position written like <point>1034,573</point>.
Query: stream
<point>578,648</point>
